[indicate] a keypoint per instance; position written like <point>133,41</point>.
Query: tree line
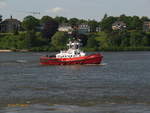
<point>43,35</point>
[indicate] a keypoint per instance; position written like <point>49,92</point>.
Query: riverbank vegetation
<point>34,38</point>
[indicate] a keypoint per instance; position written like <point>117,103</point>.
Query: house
<point>10,25</point>
<point>98,29</point>
<point>146,26</point>
<point>65,28</point>
<point>83,29</point>
<point>118,25</point>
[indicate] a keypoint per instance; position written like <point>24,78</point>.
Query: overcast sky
<point>85,9</point>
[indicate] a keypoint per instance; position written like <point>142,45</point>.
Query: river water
<point>121,84</point>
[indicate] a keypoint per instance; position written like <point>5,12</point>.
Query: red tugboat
<point>72,56</point>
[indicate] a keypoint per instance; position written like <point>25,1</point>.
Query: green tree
<point>61,20</point>
<point>59,40</point>
<point>148,36</point>
<point>49,28</point>
<point>145,18</point>
<point>21,43</point>
<point>92,43</point>
<point>145,41</point>
<point>9,41</point>
<point>114,39</point>
<point>126,19</point>
<point>125,39</point>
<point>30,23</point>
<point>74,21</point>
<point>45,19</point>
<point>40,41</point>
<point>0,22</point>
<point>105,16</point>
<point>0,18</point>
<point>93,24</point>
<point>106,24</point>
<point>30,39</point>
<point>136,38</point>
<point>136,23</point>
<point>102,38</point>
<point>81,21</point>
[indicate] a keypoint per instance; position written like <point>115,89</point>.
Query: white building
<point>146,26</point>
<point>83,29</point>
<point>118,25</point>
<point>65,28</point>
<point>98,29</point>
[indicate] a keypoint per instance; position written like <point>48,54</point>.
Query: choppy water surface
<point>121,84</point>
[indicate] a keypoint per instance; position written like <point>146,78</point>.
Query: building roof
<point>64,25</point>
<point>11,20</point>
<point>119,23</point>
<point>147,23</point>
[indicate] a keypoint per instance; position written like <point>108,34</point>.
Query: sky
<point>83,9</point>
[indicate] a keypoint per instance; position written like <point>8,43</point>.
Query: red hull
<point>91,59</point>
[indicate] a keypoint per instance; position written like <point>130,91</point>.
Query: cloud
<point>55,10</point>
<point>2,4</point>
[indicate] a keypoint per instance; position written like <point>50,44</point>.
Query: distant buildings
<point>83,29</point>
<point>98,29</point>
<point>146,26</point>
<point>118,25</point>
<point>80,29</point>
<point>10,25</point>
<point>65,28</point>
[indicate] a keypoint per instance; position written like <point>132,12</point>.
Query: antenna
<point>30,12</point>
<point>35,13</point>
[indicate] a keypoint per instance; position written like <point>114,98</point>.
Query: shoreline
<point>9,50</point>
<point>5,50</point>
<point>102,50</point>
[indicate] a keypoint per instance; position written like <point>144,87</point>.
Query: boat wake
<point>21,61</point>
<point>102,64</point>
<point>15,62</point>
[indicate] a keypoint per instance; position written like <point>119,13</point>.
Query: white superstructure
<point>73,51</point>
